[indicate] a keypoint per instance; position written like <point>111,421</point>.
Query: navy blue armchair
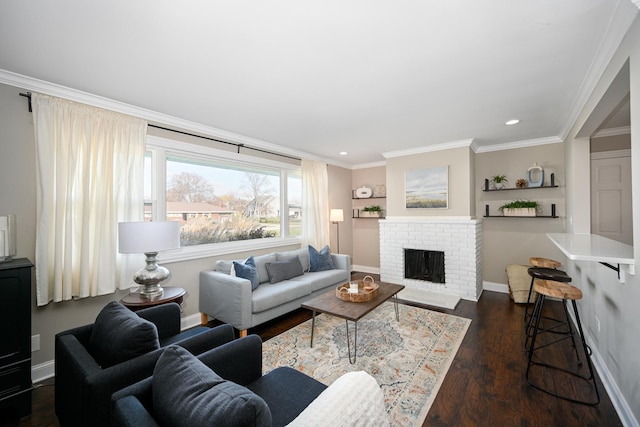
<point>286,391</point>
<point>83,381</point>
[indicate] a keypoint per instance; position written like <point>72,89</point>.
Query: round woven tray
<point>367,290</point>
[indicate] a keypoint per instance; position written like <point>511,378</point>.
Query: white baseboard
<point>495,287</point>
<point>42,371</point>
<point>365,269</point>
<point>46,370</point>
<point>190,321</point>
<point>620,404</point>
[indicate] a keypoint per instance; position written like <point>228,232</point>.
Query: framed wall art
<point>427,188</point>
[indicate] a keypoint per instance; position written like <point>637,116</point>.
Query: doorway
<point>611,209</point>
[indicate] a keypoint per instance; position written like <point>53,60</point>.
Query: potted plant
<point>374,211</point>
<point>521,208</point>
<point>499,181</point>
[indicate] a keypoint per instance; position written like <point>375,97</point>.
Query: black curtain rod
<point>28,96</point>
<point>239,146</point>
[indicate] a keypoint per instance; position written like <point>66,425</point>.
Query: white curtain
<point>89,172</point>
<point>315,204</point>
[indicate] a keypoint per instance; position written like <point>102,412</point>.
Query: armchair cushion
<point>186,393</point>
<point>320,260</point>
<point>119,335</point>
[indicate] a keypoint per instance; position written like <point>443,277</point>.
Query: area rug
<point>409,358</point>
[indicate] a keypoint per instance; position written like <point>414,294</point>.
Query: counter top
<point>592,247</point>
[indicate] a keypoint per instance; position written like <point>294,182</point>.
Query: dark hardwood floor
<point>485,385</point>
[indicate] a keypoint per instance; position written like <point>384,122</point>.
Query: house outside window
<point>220,197</point>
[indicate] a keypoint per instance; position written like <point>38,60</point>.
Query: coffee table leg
<point>313,326</point>
<point>395,303</point>
<point>355,342</point>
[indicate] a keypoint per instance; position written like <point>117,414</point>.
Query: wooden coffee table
<point>330,304</point>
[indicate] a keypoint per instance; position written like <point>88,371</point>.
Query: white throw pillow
<point>354,399</point>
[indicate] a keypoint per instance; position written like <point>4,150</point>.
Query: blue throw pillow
<point>248,271</point>
<point>188,393</point>
<point>320,261</point>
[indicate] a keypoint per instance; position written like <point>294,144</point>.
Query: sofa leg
<point>204,319</point>
<point>243,333</point>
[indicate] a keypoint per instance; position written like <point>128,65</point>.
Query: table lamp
<point>336,216</point>
<point>149,238</point>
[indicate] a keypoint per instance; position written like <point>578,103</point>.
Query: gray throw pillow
<point>283,270</point>
<point>248,271</point>
<point>302,253</point>
<point>320,261</point>
<point>119,334</point>
<point>188,393</point>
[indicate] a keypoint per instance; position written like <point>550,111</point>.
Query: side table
<point>136,302</point>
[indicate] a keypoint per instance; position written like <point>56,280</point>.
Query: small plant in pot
<point>521,208</point>
<point>371,211</point>
<point>499,181</point>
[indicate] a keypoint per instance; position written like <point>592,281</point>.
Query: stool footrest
<point>562,396</point>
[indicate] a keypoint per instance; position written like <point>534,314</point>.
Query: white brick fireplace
<point>459,238</point>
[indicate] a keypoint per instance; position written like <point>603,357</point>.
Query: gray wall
<point>461,181</point>
<point>366,231</point>
<point>514,240</point>
<point>615,305</point>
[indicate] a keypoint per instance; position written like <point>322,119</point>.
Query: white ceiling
<point>362,76</point>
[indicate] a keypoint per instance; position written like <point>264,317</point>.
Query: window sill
<point>216,249</point>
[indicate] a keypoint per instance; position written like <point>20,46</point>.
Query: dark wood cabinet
<point>15,338</point>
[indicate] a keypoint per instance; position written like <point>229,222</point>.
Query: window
<point>220,197</point>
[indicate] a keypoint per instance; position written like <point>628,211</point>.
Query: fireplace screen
<point>424,265</point>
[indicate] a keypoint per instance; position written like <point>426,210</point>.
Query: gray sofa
<point>231,299</point>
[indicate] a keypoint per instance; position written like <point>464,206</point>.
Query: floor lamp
<point>336,216</point>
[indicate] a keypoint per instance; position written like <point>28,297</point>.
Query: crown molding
<point>428,148</point>
<point>370,165</point>
<point>519,144</point>
<point>53,89</point>
<point>623,130</point>
<point>619,25</point>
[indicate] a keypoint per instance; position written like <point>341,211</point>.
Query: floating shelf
<point>367,217</point>
<point>523,188</point>
<point>553,214</point>
<point>552,177</point>
<point>520,217</point>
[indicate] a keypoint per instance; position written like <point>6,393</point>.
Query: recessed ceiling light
<point>343,153</point>
<point>512,122</point>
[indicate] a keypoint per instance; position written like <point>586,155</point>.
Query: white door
<point>611,211</point>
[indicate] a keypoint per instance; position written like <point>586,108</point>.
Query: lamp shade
<point>143,237</point>
<point>336,215</point>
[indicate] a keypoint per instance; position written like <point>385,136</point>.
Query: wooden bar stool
<point>545,269</point>
<point>564,291</point>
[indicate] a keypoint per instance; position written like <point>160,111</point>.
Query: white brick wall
<point>459,239</point>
